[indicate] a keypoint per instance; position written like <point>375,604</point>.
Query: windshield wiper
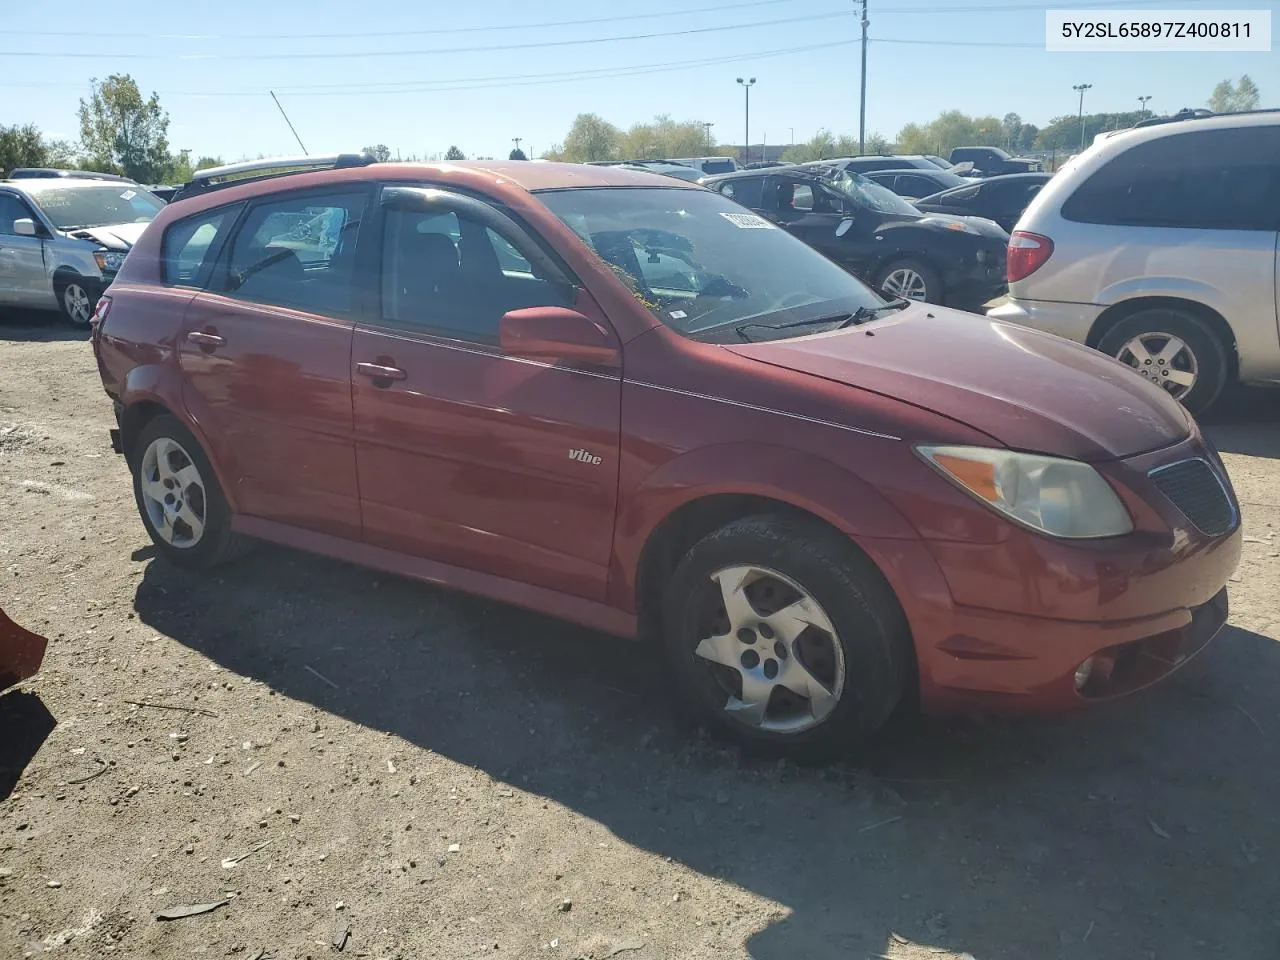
<point>842,320</point>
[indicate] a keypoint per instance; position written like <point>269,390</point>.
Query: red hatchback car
<point>624,400</point>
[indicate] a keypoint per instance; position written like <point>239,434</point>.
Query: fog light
<point>1083,673</point>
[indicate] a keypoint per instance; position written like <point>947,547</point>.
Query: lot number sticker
<point>748,221</point>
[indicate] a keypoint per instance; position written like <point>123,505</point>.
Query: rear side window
<point>1206,179</point>
<point>190,247</point>
<point>299,252</point>
<point>748,191</point>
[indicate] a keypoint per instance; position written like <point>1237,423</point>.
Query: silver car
<point>63,239</point>
<point>1157,245</point>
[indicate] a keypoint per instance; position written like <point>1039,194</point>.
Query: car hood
<point>1028,390</point>
<point>120,236</point>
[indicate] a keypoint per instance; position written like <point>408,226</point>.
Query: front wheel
<point>785,638</point>
<point>911,280</point>
<point>1175,351</point>
<point>77,297</point>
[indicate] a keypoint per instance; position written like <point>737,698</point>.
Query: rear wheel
<point>1174,350</point>
<point>179,499</point>
<point>785,638</point>
<point>911,280</point>
<point>77,298</point>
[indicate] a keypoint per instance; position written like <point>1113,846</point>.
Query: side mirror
<point>26,227</point>
<point>844,226</point>
<point>556,333</point>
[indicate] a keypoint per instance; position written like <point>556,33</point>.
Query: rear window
<point>718,166</point>
<point>1205,179</point>
<point>190,246</point>
<point>749,191</point>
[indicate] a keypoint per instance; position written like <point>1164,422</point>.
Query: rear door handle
<point>205,339</point>
<point>377,371</point>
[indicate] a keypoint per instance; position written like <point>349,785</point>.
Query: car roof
<point>794,170</point>
<point>37,185</point>
<point>916,171</point>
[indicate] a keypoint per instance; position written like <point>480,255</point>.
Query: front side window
<point>705,266</point>
<point>299,252</point>
<point>748,191</point>
<point>190,247</point>
<point>451,274</point>
<point>870,195</point>
<point>1226,179</point>
<point>11,209</point>
<point>77,206</point>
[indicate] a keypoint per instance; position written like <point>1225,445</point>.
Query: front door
<point>23,279</point>
<point>813,212</point>
<point>467,455</point>
<point>265,355</point>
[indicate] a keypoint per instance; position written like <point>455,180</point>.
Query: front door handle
<point>378,371</point>
<point>205,340</point>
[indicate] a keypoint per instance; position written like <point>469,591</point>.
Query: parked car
<point>43,173</point>
<point>765,164</point>
<point>163,192</point>
<point>1001,199</point>
<point>675,422</point>
<point>875,234</point>
<point>678,170</point>
<point>810,500</point>
<point>1158,247</point>
<point>992,161</point>
<point>866,165</point>
<point>916,183</point>
<point>708,166</point>
<point>62,240</point>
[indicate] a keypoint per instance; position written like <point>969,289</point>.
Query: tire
<point>166,452</point>
<point>1203,357</point>
<point>846,592</point>
<point>77,298</point>
<point>885,277</point>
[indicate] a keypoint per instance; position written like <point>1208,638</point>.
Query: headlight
<point>109,262</point>
<point>1063,498</point>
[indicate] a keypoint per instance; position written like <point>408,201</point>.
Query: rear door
<point>467,455</point>
<point>265,354</point>
<point>23,279</point>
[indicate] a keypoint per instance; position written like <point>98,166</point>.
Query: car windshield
<point>938,161</point>
<point>705,265</point>
<point>867,193</point>
<point>72,206</point>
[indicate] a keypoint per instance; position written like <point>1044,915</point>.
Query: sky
<point>420,75</point>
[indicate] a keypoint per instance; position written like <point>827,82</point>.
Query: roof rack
<point>250,171</point>
<point>1189,113</point>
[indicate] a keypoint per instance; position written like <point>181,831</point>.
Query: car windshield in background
<point>868,193</point>
<point>72,206</point>
<point>705,265</point>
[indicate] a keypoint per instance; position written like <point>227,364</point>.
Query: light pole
<point>516,141</point>
<point>746,124</point>
<point>1080,88</point>
<point>1143,101</point>
<point>862,105</point>
<point>792,141</point>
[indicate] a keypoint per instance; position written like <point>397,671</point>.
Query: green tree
<point>22,147</point>
<point>517,154</point>
<point>453,153</point>
<point>1228,97</point>
<point>123,133</point>
<point>949,130</point>
<point>380,153</point>
<point>591,138</point>
<point>664,138</point>
<point>1063,133</point>
<point>205,163</point>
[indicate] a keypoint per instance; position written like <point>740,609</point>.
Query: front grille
<point>1195,489</point>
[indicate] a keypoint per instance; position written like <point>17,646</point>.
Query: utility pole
<point>1143,101</point>
<point>1080,88</point>
<point>862,106</point>
<point>746,124</point>
<point>792,141</point>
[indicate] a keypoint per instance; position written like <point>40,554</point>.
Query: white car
<point>1157,245</point>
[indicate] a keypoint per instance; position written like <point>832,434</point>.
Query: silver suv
<point>1157,245</point>
<point>63,239</point>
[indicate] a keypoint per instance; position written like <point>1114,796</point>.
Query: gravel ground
<point>445,777</point>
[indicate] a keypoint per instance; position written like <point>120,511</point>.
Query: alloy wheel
<point>770,650</point>
<point>75,300</point>
<point>173,493</point>
<point>1163,359</point>
<point>904,282</point>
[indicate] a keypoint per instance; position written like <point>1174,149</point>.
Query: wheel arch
<point>1215,321</point>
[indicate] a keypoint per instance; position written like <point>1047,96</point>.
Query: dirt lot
<point>451,778</point>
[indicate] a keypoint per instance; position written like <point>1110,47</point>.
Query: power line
<point>439,51</point>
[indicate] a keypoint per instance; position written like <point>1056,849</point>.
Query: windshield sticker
<point>748,221</point>
<point>677,314</point>
<point>128,194</point>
